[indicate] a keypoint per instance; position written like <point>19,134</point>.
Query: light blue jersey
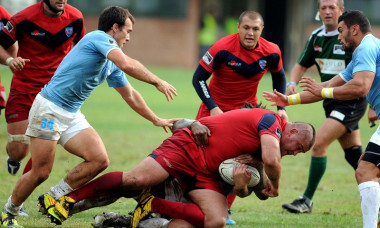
<point>82,70</point>
<point>366,57</point>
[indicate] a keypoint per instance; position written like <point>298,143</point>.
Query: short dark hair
<point>112,15</point>
<point>356,17</point>
<point>253,15</point>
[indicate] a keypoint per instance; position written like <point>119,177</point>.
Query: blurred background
<point>171,33</point>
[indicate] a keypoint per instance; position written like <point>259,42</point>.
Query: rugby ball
<point>226,169</point>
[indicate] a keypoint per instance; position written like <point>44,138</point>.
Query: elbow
<point>361,91</point>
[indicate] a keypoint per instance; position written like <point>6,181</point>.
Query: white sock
<point>370,202</point>
<point>11,208</point>
<point>61,189</point>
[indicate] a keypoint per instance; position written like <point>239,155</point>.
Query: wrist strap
<point>290,83</point>
<point>327,93</point>
<point>9,60</point>
<point>294,99</point>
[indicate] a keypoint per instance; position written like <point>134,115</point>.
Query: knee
<point>135,182</point>
<point>102,163</point>
<point>17,151</point>
<point>319,150</point>
<point>216,221</point>
<point>41,175</point>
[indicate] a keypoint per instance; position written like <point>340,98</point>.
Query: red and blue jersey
<point>42,39</point>
<point>238,132</point>
<point>236,71</point>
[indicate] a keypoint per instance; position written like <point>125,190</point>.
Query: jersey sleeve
<point>208,60</point>
<point>104,44</point>
<point>306,58</point>
<point>346,75</point>
<point>276,63</point>
<point>269,125</point>
<point>364,59</point>
<point>117,77</point>
<point>8,33</point>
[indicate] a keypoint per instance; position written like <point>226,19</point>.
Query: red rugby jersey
<point>238,132</point>
<point>42,39</point>
<point>237,71</point>
<point>4,17</point>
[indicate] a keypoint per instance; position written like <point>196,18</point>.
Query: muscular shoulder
<point>229,42</point>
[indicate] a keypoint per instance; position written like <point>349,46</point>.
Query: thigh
<point>329,131</point>
<point>147,173</point>
<point>349,140</point>
<point>86,144</point>
<point>18,127</point>
<point>42,152</point>
<point>213,204</point>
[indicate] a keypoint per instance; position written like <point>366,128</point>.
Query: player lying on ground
<point>169,190</point>
<point>258,132</point>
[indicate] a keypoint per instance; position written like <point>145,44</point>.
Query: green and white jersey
<point>324,50</point>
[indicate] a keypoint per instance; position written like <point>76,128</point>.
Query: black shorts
<point>346,112</point>
<point>372,154</point>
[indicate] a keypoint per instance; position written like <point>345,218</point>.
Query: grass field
<point>129,138</point>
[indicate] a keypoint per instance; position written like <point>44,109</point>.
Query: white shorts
<point>51,122</point>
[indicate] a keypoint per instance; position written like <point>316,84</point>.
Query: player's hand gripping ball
<point>226,170</point>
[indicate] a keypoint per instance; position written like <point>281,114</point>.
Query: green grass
<point>129,138</point>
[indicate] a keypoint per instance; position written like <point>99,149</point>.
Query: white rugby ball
<point>226,169</point>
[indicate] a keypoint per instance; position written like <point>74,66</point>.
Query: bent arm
<point>135,69</point>
<point>137,102</point>
<point>359,86</point>
<point>270,152</point>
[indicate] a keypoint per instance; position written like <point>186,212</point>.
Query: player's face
<point>329,11</point>
<point>250,32</point>
<point>58,5</point>
<point>345,37</point>
<point>122,35</point>
<point>292,144</point>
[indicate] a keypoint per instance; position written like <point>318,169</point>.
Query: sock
<point>189,212</point>
<point>61,189</point>
<point>105,185</point>
<point>352,155</point>
<point>28,166</point>
<point>317,169</point>
<point>11,208</point>
<point>230,199</point>
<point>370,202</point>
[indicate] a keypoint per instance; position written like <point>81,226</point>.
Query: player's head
<point>250,27</point>
<point>117,22</point>
<point>352,24</point>
<point>329,11</point>
<point>298,137</point>
<point>54,7</point>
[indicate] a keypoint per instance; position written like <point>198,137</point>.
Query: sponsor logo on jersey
<point>204,89</point>
<point>278,132</point>
<point>69,31</point>
<point>318,48</point>
<point>37,33</point>
<point>112,42</point>
<point>338,49</point>
<point>262,63</point>
<point>331,66</point>
<point>9,27</point>
<point>207,58</point>
<point>234,63</point>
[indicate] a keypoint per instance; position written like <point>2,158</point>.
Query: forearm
<point>182,123</point>
<point>140,72</point>
<point>273,172</point>
<point>137,103</point>
<point>242,191</point>
<point>200,85</point>
<point>296,73</point>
